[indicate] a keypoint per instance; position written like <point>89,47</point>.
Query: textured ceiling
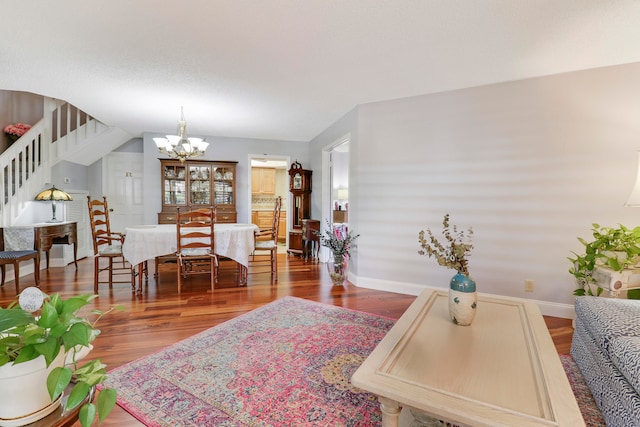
<point>287,69</point>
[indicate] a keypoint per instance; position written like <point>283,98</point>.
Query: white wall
<point>530,165</point>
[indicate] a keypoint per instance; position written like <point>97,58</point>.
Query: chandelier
<point>179,146</point>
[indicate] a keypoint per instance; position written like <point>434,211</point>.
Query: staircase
<point>64,133</point>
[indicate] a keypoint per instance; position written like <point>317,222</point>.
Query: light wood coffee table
<point>502,370</point>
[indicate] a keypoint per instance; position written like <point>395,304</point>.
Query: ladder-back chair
<point>106,245</point>
<point>196,244</point>
<point>19,244</point>
<point>266,243</point>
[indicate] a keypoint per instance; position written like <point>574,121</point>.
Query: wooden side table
<point>340,217</point>
<point>310,240</point>
<point>58,233</point>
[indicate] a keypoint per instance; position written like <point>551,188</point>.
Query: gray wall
<point>87,178</point>
<point>530,165</point>
<point>346,125</point>
<point>70,176</point>
<point>220,148</point>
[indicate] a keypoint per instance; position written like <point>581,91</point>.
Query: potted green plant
<point>617,249</point>
<point>43,342</point>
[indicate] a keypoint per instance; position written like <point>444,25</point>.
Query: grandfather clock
<point>300,188</point>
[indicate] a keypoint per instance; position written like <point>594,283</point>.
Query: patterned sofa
<point>606,348</point>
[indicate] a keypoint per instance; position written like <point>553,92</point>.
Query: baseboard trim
<point>547,308</point>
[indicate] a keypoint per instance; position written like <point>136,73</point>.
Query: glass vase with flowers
<point>340,241</point>
<point>14,132</point>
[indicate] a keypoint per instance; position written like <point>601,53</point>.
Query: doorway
<point>269,179</point>
<point>335,185</point>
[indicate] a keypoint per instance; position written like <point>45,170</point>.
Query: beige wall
<point>18,107</point>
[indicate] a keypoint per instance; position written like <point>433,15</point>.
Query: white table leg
<point>390,412</point>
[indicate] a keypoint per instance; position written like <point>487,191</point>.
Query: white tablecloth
<point>144,242</point>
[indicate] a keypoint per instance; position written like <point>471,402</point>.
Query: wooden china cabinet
<point>196,184</point>
<point>300,188</point>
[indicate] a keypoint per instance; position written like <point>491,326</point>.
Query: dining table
<point>146,242</point>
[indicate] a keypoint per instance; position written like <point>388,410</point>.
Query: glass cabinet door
<point>200,185</point>
<point>174,185</point>
<point>297,211</point>
<point>223,186</point>
<point>197,184</point>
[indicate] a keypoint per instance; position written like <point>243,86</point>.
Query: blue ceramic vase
<point>463,299</point>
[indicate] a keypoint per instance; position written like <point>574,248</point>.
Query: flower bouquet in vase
<point>453,254</point>
<point>337,267</point>
<point>340,241</point>
<point>14,132</point>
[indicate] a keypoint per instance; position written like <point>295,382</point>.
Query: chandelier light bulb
<point>180,146</point>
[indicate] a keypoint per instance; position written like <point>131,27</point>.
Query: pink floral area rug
<point>288,363</point>
<point>588,407</point>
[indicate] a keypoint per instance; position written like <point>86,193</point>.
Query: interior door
<point>122,183</point>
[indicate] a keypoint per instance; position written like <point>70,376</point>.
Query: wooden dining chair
<point>107,245</point>
<point>266,243</point>
<point>18,244</point>
<point>196,244</point>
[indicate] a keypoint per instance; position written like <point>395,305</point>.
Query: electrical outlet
<point>528,285</point>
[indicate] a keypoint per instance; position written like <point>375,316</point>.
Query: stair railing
<point>26,165</point>
<point>71,128</point>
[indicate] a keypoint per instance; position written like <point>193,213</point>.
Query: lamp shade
<point>343,193</point>
<point>634,197</point>
<point>54,195</point>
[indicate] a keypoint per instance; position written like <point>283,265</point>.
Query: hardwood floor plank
<point>160,317</point>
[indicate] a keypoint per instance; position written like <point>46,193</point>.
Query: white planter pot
<point>25,392</point>
<point>25,398</point>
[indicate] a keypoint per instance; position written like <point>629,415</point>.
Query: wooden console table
<point>310,240</point>
<point>51,233</point>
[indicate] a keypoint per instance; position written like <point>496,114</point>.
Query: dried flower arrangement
<point>453,254</point>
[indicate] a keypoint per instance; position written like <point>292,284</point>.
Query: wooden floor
<point>159,316</point>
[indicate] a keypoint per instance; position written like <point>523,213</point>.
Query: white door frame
<point>327,175</point>
<point>286,159</point>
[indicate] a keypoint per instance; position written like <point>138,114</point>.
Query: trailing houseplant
<point>615,248</point>
<point>56,330</point>
<point>453,253</point>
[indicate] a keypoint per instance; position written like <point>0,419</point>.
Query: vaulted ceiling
<point>287,69</point>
